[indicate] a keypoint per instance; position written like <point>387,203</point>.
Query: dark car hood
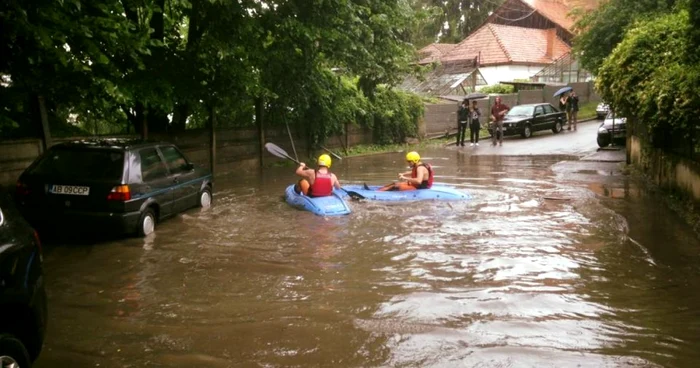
<point>515,119</point>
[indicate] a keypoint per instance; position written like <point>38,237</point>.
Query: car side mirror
<point>537,114</point>
<point>190,166</point>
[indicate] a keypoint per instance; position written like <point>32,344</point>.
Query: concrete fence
<point>441,118</point>
<point>236,149</point>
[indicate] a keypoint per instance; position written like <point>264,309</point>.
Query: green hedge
<point>651,77</point>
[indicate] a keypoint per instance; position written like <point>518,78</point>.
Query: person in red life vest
<point>421,175</point>
<point>319,182</point>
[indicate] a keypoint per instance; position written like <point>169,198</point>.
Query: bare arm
<point>336,183</point>
<point>420,176</point>
<point>304,172</point>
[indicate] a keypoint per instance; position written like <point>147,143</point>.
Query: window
<point>539,111</point>
<point>175,160</point>
<point>79,163</point>
<point>152,167</point>
<point>548,109</point>
<point>520,110</point>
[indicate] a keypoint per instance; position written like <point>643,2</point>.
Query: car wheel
<point>527,131</point>
<point>603,140</point>
<point>147,223</point>
<point>557,127</point>
<point>205,198</point>
<point>13,353</point>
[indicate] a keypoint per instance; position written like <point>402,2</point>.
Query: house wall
<point>506,73</point>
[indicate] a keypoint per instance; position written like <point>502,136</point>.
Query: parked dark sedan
<point>527,119</point>
<point>22,294</point>
<point>115,186</point>
<point>612,129</point>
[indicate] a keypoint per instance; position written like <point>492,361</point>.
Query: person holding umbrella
<point>564,103</point>
<point>474,124</point>
<point>462,117</point>
<point>573,100</point>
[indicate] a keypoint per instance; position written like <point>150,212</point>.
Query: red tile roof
<point>434,52</point>
<point>555,10</point>
<point>500,44</point>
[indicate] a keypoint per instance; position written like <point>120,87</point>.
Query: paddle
<point>279,152</point>
<point>332,153</point>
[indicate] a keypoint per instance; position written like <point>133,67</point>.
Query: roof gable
<point>528,45</point>
<point>496,44</point>
<point>555,10</point>
<point>434,52</point>
<point>483,44</point>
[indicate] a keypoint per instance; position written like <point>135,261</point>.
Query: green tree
<point>649,77</point>
<point>603,28</point>
<point>449,21</point>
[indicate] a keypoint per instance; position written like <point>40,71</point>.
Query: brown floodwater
<point>552,263</point>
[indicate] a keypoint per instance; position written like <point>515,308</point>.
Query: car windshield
<point>521,111</point>
<point>81,164</point>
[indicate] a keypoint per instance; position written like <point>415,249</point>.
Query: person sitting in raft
<point>421,175</point>
<point>319,182</point>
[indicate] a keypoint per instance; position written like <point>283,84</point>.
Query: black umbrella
<point>476,96</point>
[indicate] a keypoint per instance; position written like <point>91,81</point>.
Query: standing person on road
<point>462,117</point>
<point>475,124</point>
<point>565,105</point>
<point>498,111</point>
<point>573,101</point>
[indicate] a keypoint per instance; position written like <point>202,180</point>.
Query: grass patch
<point>587,110</point>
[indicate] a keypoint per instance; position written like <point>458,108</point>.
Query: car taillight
<point>119,193</point>
<point>38,241</point>
<point>22,189</point>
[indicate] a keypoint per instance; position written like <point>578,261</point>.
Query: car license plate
<point>70,189</point>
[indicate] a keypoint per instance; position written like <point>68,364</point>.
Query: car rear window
<point>82,164</point>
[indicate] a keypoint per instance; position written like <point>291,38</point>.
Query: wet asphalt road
<point>558,260</point>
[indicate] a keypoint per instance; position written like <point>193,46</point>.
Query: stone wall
<point>667,170</point>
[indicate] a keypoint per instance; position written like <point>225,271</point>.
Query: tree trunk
<point>259,109</point>
<point>212,139</point>
<point>180,115</point>
<point>44,123</point>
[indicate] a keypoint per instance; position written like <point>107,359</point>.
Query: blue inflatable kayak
<point>436,192</point>
<point>324,206</point>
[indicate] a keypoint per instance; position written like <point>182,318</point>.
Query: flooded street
<point>554,262</point>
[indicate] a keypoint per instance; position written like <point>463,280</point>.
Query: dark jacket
<point>462,114</point>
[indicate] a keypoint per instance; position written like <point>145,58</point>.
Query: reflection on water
<point>541,268</point>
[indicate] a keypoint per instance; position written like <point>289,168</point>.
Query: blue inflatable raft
<point>333,205</point>
<point>436,192</point>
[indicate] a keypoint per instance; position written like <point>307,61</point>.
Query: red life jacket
<point>425,184</point>
<point>322,186</point>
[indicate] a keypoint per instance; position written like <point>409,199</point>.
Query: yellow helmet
<point>413,157</point>
<point>324,160</point>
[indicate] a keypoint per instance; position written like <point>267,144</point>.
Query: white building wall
<point>507,73</point>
